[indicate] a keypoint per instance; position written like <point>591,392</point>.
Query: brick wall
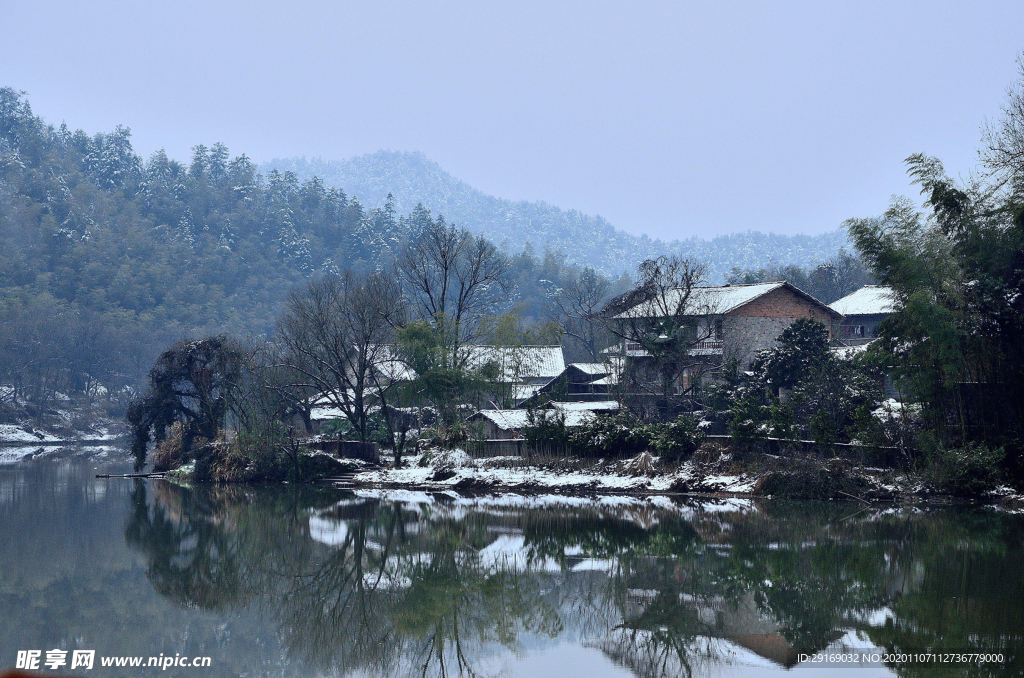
<point>755,326</point>
<point>782,303</point>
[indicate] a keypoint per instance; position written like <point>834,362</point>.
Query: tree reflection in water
<point>437,585</point>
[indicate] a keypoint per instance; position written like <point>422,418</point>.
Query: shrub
<point>169,453</point>
<point>677,439</point>
<point>223,463</point>
<point>811,480</point>
<point>748,416</point>
<point>969,471</point>
<point>547,431</point>
<point>621,435</point>
<point>610,436</point>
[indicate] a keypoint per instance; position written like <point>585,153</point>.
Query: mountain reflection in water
<point>309,581</point>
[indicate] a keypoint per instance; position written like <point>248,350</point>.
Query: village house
<point>735,322</point>
<point>598,407</point>
<point>509,424</point>
<point>579,382</point>
<point>517,372</point>
<point>514,373</point>
<point>862,313</point>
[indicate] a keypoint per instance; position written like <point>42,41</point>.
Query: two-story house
<point>734,322</point>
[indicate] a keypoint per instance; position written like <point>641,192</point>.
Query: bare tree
<point>338,335</point>
<point>1002,150</point>
<point>664,324</point>
<point>578,304</point>
<point>453,279</point>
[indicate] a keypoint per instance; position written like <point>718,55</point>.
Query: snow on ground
<point>10,433</point>
<point>487,472</point>
<point>105,434</point>
<point>22,452</point>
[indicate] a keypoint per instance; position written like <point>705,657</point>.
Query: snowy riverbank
<point>758,476</point>
<point>22,442</point>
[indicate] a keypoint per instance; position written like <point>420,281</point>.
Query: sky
<point>667,118</point>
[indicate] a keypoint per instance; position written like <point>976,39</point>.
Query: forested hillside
<point>105,258</point>
<point>411,179</point>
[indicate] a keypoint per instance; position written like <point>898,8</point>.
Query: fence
<point>501,447</point>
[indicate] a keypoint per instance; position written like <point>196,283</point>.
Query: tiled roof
<point>704,301</point>
<point>868,300</point>
<point>592,368</point>
<point>524,362</point>
<point>510,420</point>
<point>586,406</point>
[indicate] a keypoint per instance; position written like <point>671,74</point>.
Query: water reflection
<point>414,584</point>
<point>304,581</point>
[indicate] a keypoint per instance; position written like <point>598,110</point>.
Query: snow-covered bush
<point>969,471</point>
<point>621,435</point>
<point>677,439</point>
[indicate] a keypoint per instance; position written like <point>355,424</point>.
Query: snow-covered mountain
<point>413,178</point>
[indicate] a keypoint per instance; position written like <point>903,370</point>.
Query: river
<point>291,580</point>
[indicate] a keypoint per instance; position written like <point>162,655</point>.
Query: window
<point>719,329</point>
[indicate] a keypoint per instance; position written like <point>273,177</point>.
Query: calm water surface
<point>307,581</point>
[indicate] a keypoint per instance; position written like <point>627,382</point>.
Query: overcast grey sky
<point>668,118</point>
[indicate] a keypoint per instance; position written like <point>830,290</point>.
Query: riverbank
<point>716,474</point>
<point>713,471</point>
<point>12,453</point>
<point>70,429</point>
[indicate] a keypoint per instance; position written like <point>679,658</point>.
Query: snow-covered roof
<point>521,392</point>
<point>520,362</point>
<point>705,301</point>
<point>592,368</point>
<point>396,370</point>
<point>325,412</point>
<point>515,363</point>
<point>506,419</point>
<point>868,300</point>
<point>848,352</point>
<point>509,420</point>
<point>600,405</point>
<point>610,370</point>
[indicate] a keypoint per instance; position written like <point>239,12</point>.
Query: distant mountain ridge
<point>413,178</point>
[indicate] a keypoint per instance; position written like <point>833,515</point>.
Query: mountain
<point>412,178</point>
<point>106,258</point>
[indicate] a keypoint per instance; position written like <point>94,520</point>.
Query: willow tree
<point>192,383</point>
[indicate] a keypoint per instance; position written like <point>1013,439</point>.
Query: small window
<point>719,329</point>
